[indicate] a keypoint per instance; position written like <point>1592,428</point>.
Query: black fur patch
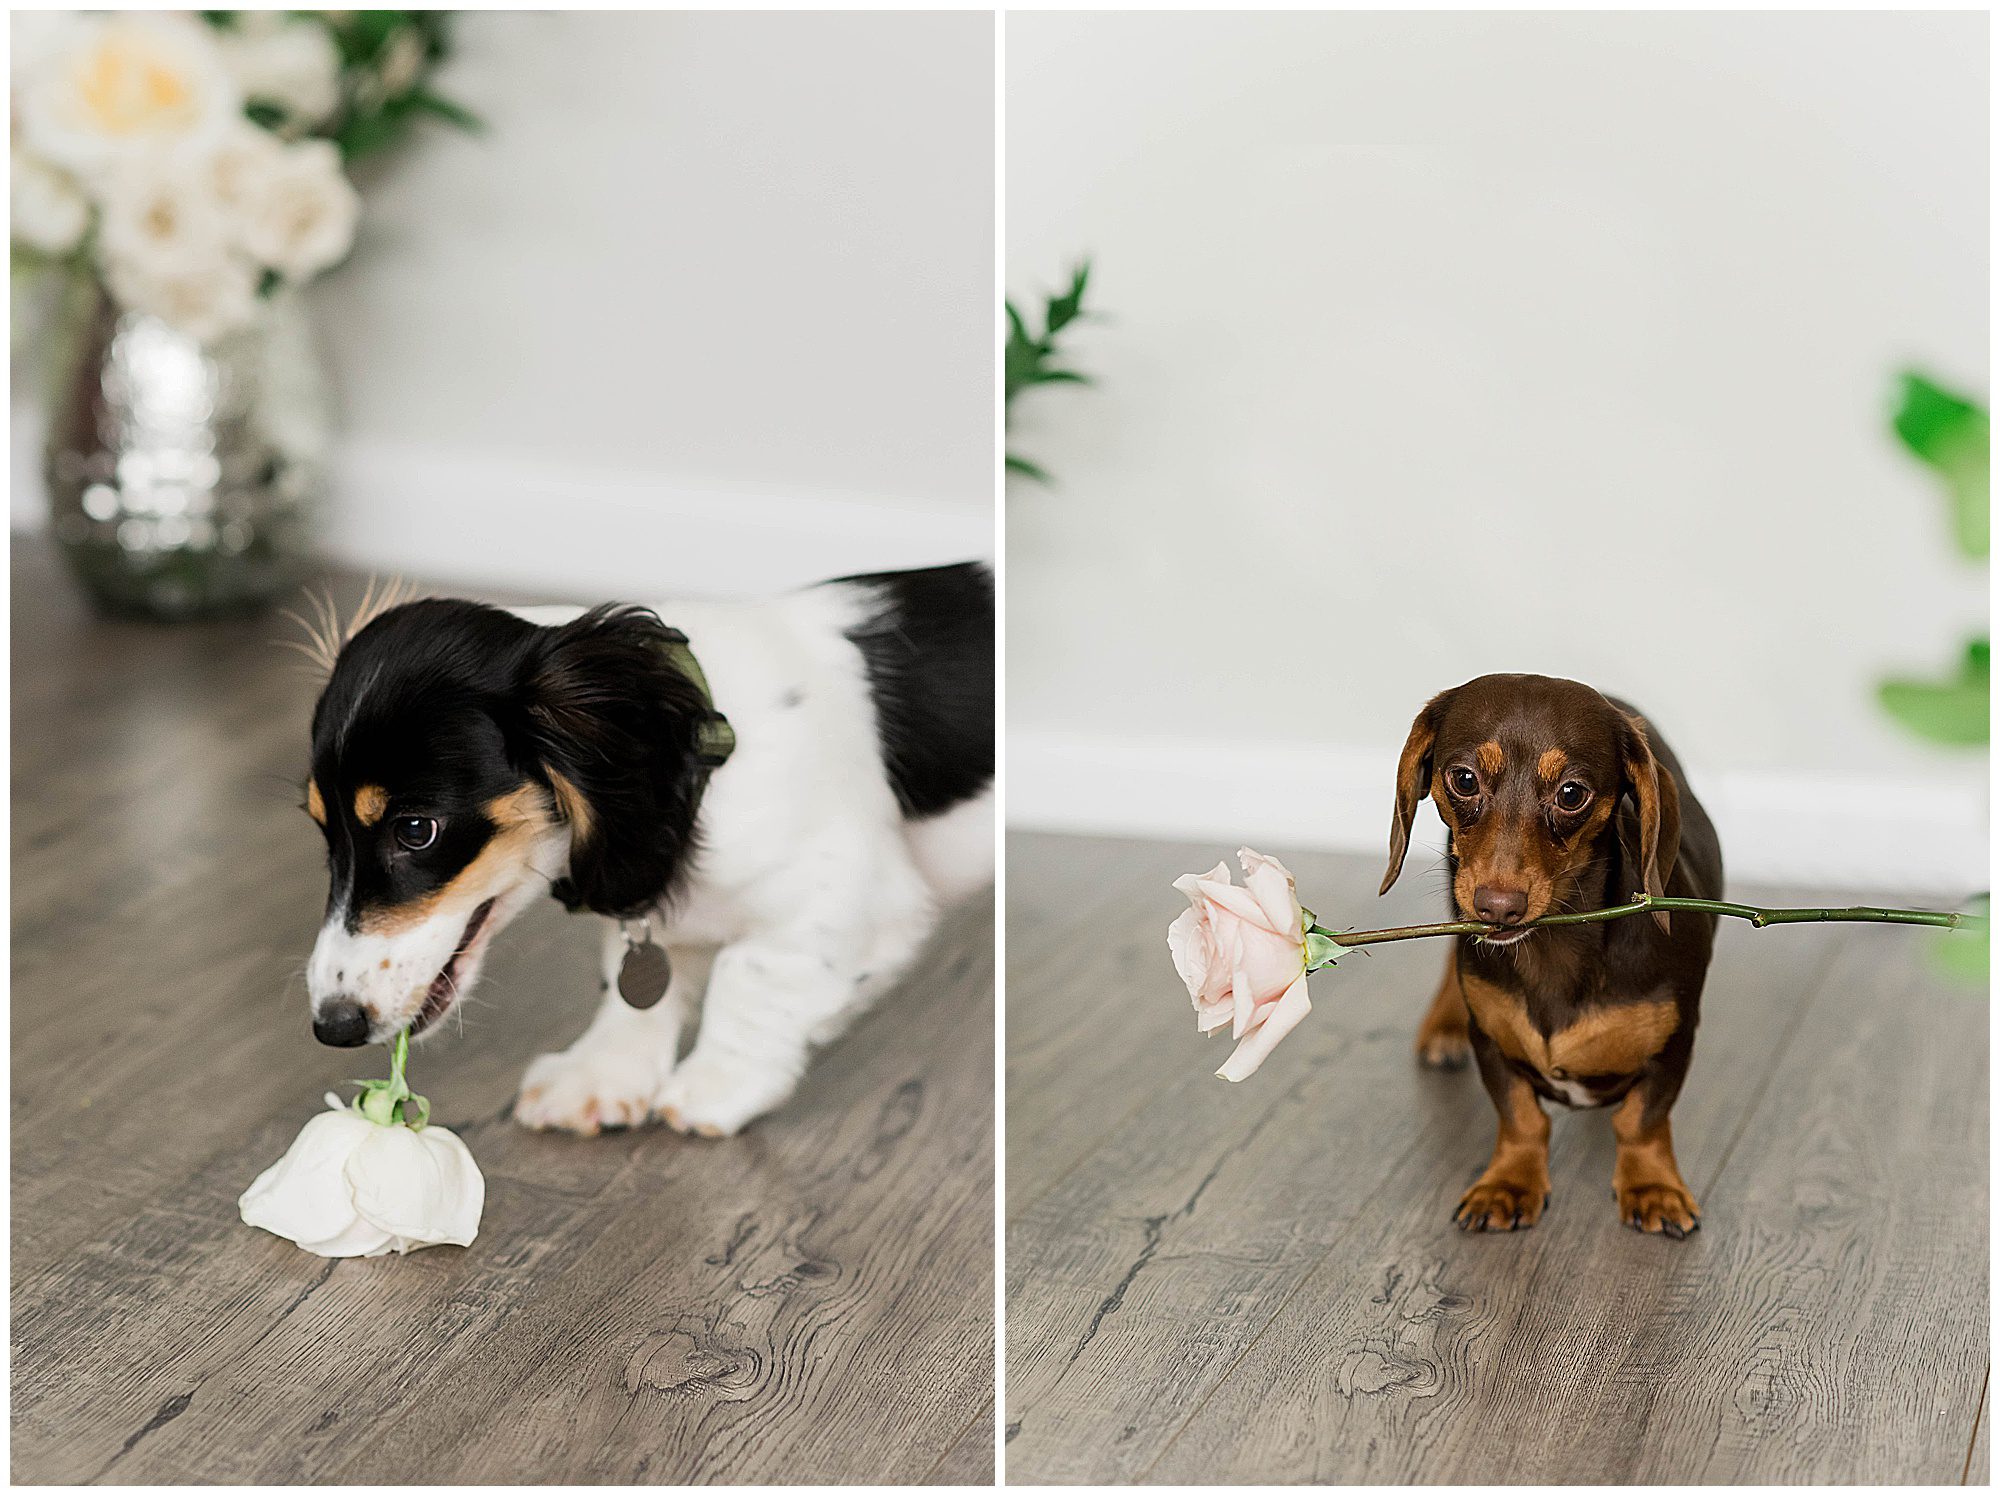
<point>928,646</point>
<point>446,705</point>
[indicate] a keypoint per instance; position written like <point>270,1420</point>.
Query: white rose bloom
<point>349,1187</point>
<point>302,217</point>
<point>293,64</point>
<point>206,300</point>
<point>240,166</point>
<point>113,86</point>
<point>163,213</point>
<point>48,211</point>
<point>34,37</point>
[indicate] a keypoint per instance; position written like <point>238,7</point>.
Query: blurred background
<point>704,307</point>
<point>1431,345</point>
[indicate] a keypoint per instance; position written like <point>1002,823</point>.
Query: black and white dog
<point>467,759</point>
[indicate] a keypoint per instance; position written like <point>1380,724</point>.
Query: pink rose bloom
<point>1242,953</point>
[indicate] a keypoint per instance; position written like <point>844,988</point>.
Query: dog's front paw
<point>1662,1208</point>
<point>586,1091</point>
<point>1502,1204</point>
<point>1444,1046</point>
<point>719,1098</point>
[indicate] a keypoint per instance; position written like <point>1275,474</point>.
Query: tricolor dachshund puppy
<point>1558,799</point>
<point>467,760</point>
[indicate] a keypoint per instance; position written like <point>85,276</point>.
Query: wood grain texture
<point>1261,1283</point>
<point>1979,1458</point>
<point>809,1302</point>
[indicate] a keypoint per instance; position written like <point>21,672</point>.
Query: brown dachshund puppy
<point>1559,799</point>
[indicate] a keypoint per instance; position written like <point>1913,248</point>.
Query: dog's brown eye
<point>1463,783</point>
<point>1572,796</point>
<point>414,833</point>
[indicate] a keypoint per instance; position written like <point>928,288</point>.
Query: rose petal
<point>1190,883</point>
<point>360,1239</point>
<point>1271,883</point>
<point>1238,902</point>
<point>420,1186</point>
<point>303,1197</point>
<point>1187,939</point>
<point>1279,1020</point>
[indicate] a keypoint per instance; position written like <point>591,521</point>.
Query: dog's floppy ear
<point>612,724</point>
<point>1653,790</point>
<point>1413,778</point>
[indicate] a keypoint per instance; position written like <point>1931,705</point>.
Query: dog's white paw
<point>587,1091</point>
<point>719,1098</point>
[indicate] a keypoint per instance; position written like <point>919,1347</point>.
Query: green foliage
<point>1032,359</point>
<point>386,60</point>
<point>1953,710</point>
<point>1966,954</point>
<point>1953,436</point>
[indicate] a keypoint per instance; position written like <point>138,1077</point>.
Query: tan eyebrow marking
<point>1490,759</point>
<point>521,819</point>
<point>1551,764</point>
<point>315,807</point>
<point>370,801</point>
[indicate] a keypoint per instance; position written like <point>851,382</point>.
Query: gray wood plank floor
<point>810,1302</point>
<point>1260,1283</point>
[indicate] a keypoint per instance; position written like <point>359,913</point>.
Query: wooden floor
<point>1260,1283</point>
<point>809,1302</point>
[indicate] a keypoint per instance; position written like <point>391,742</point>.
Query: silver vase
<point>184,478</point>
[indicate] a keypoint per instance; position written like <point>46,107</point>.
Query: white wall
<point>708,306</point>
<point>1442,344</point>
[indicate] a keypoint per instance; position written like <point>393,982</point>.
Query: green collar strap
<point>715,739</point>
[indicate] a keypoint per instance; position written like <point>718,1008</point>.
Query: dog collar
<point>715,739</point>
<point>646,971</point>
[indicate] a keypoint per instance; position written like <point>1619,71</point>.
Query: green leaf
<point>367,133</point>
<point>1060,376</point>
<point>371,29</point>
<point>430,103</point>
<point>1966,954</point>
<point>1953,435</point>
<point>1956,710</point>
<point>1321,952</point>
<point>1066,308</point>
<point>1027,469</point>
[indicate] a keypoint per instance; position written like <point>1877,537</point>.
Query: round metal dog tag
<point>644,973</point>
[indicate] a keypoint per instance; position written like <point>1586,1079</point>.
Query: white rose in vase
<point>300,217</point>
<point>292,64</point>
<point>162,212</point>
<point>47,210</point>
<point>111,87</point>
<point>206,301</point>
<point>168,246</point>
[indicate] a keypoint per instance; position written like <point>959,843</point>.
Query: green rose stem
<point>390,1101</point>
<point>1323,946</point>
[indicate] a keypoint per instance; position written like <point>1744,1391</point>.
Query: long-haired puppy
<point>1559,799</point>
<point>467,760</point>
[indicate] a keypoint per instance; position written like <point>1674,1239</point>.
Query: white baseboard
<point>455,517</point>
<point>1802,830</point>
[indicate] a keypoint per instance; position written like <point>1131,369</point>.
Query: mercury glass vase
<point>184,477</point>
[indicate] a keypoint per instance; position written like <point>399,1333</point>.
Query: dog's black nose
<point>1499,906</point>
<point>342,1023</point>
